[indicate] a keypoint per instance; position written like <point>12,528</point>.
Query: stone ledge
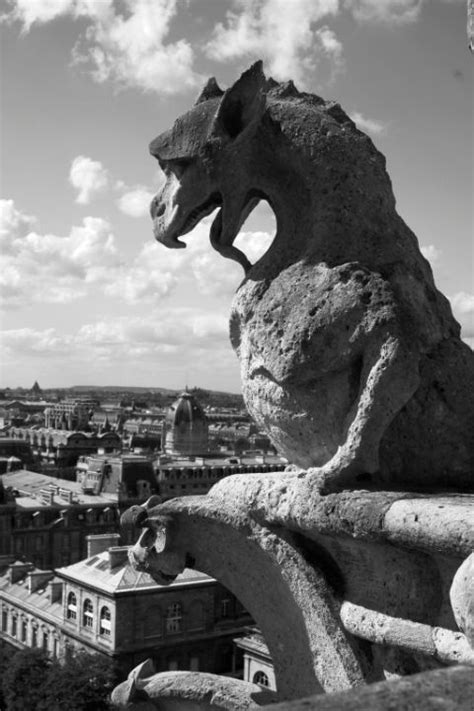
<point>441,690</point>
<point>432,522</point>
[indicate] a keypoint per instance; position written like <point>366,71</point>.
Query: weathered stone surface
<point>351,359</point>
<point>187,691</point>
<point>299,589</point>
<point>462,598</point>
<point>280,583</point>
<point>441,644</point>
<point>440,690</point>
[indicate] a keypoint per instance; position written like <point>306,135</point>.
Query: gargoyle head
<point>203,157</point>
<point>155,552</point>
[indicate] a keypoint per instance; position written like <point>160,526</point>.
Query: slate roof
<point>253,642</point>
<point>29,484</point>
<point>39,600</point>
<point>96,572</point>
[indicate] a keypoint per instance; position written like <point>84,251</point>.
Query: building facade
<point>46,519</point>
<point>62,448</point>
<point>131,477</point>
<point>257,662</point>
<point>70,413</point>
<point>101,604</point>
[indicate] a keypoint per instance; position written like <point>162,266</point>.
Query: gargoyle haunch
<point>350,358</point>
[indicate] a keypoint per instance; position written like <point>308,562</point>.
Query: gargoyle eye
<point>177,166</point>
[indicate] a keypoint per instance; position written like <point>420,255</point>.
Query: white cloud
<point>50,268</point>
<point>331,47</point>
<point>131,42</point>
<point>431,253</point>
<point>31,341</point>
<point>372,126</point>
<point>177,332</point>
<point>145,280</point>
<point>89,177</point>
<point>393,12</point>
<point>280,32</point>
<point>135,202</point>
<point>125,42</point>
<point>13,224</point>
<point>463,308</point>
<point>30,12</point>
<point>131,48</point>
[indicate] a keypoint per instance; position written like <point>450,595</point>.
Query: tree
<point>23,679</point>
<point>32,680</point>
<point>83,683</point>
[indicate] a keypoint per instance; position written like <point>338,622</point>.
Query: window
<point>260,678</point>
<point>71,612</point>
<point>88,614</point>
<point>14,625</point>
<point>24,631</point>
<point>172,665</point>
<point>174,618</point>
<point>4,620</point>
<point>225,607</point>
<point>194,664</point>
<point>34,637</point>
<point>104,627</point>
<point>45,641</point>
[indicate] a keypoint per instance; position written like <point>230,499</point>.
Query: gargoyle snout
<point>157,207</point>
<point>139,553</point>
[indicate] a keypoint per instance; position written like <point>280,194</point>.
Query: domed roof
<point>185,410</point>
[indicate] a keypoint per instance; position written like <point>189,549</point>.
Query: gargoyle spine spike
<point>211,90</point>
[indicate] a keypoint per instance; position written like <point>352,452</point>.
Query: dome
<point>185,409</point>
<point>185,429</point>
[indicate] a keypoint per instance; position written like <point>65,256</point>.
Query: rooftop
<point>97,572</point>
<point>29,485</point>
<point>39,599</point>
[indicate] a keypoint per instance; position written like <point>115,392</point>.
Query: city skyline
<point>88,296</point>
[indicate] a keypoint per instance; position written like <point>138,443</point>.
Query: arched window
<point>260,678</point>
<point>88,614</point>
<point>174,618</point>
<point>71,612</point>
<point>104,627</point>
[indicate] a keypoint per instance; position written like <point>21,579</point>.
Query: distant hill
<point>135,394</point>
<point>119,388</point>
<point>211,398</point>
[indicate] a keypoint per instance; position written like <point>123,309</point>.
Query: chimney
<point>101,542</point>
<point>18,571</point>
<point>55,588</point>
<point>118,555</point>
<point>38,579</point>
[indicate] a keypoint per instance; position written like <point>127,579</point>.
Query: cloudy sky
<point>87,296</point>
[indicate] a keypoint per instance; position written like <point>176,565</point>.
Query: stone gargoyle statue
<point>351,359</point>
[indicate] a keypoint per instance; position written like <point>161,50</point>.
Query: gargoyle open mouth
<point>196,215</point>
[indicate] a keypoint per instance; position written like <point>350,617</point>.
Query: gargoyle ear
<point>243,103</point>
<point>211,91</point>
